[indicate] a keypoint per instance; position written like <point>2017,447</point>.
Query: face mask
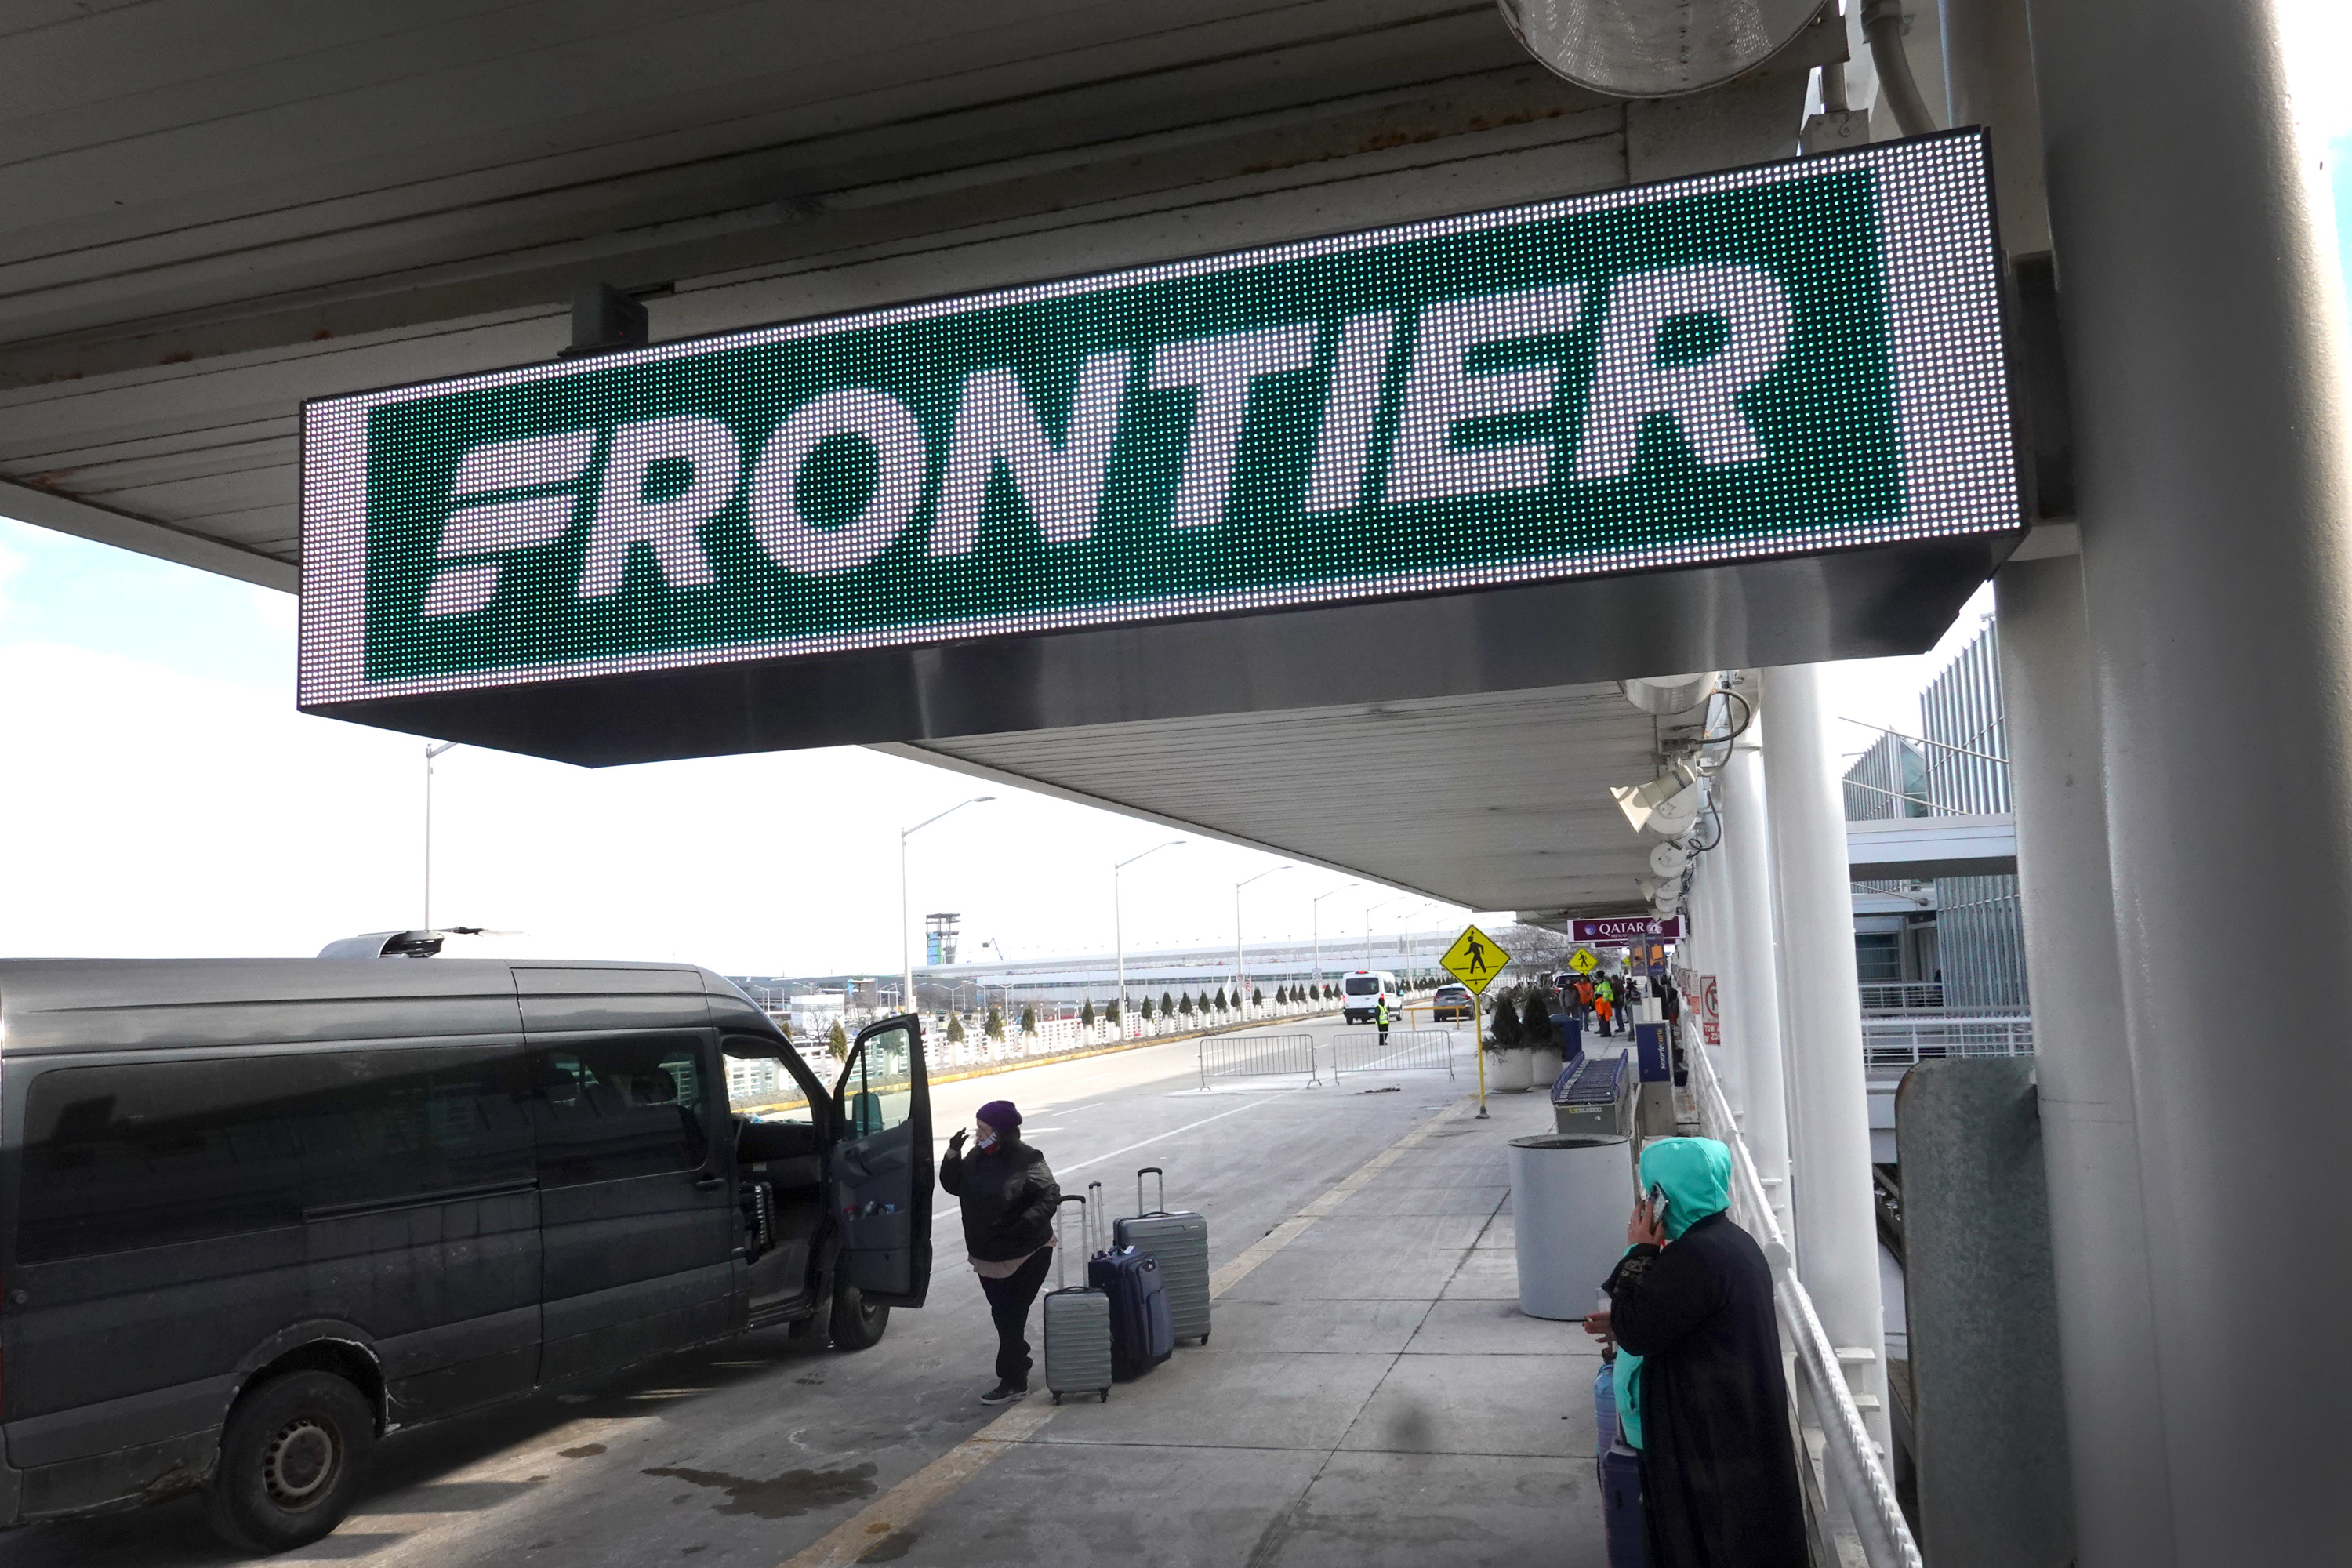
<point>987,1136</point>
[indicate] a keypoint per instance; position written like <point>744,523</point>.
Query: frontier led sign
<point>1767,363</point>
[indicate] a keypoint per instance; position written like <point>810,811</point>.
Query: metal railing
<point>1883,1534</point>
<point>1908,1041</point>
<point>1404,1050</point>
<point>1903,997</point>
<point>1258,1055</point>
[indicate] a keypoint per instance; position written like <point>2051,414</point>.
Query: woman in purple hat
<point>1009,1198</point>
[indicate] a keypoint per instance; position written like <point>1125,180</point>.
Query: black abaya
<point>1718,1464</point>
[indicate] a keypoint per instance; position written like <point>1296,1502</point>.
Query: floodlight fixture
<point>1656,51</point>
<point>1664,696</point>
<point>1668,805</point>
<point>1667,860</point>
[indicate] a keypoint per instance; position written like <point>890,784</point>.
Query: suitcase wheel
<point>1102,1397</point>
<point>1057,1399</point>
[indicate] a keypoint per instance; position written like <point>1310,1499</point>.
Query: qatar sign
<point>1632,927</point>
<point>1765,362</point>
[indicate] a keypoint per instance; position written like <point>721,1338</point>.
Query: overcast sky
<point>164,797</point>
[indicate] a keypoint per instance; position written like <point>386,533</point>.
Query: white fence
<point>1903,997</point>
<point>1883,1532</point>
<point>1903,1042</point>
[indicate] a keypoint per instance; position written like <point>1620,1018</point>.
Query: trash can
<point>1571,1194</point>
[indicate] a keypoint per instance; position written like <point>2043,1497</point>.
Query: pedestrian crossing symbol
<point>1475,959</point>
<point>1582,960</point>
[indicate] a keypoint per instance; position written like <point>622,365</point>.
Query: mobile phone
<point>1659,1203</point>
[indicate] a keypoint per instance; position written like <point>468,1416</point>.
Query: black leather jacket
<point>1009,1197</point>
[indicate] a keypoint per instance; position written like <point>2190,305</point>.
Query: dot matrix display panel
<point>1788,360</point>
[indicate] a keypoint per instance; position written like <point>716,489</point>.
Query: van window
<point>758,1083</point>
<point>1363,985</point>
<point>632,1105</point>
<point>878,1094</point>
<point>142,1154</point>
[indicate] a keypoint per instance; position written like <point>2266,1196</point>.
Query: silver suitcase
<point>1180,1243</point>
<point>1078,1324</point>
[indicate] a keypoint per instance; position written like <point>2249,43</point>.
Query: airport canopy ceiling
<point>212,210</point>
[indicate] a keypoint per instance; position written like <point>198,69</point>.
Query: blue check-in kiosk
<point>1653,1058</point>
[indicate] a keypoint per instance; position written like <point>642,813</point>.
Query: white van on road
<point>1363,993</point>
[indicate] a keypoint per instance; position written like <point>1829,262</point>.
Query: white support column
<point>2106,1319</point>
<point>1707,951</point>
<point>2206,350</point>
<point>1836,1231</point>
<point>1750,988</point>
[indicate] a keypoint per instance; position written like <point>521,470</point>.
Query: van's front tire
<point>857,1323</point>
<point>293,1458</point>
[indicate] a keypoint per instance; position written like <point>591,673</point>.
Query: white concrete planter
<point>1511,1070</point>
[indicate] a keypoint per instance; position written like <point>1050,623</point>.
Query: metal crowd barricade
<point>1258,1055</point>
<point>1405,1050</point>
<point>1883,1534</point>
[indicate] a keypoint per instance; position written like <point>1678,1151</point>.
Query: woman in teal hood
<point>1691,1298</point>
<point>1694,1175</point>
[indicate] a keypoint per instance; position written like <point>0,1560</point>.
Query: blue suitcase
<point>1142,1328</point>
<point>1618,1469</point>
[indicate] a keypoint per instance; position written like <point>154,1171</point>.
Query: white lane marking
<point>1281,1235</point>
<point>908,1501</point>
<point>1161,1137</point>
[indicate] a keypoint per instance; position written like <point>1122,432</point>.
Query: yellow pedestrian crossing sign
<point>1582,960</point>
<point>1475,959</point>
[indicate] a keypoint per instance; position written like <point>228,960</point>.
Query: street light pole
<point>1315,923</point>
<point>1384,903</point>
<point>905,943</point>
<point>432,750</point>
<point>1118,925</point>
<point>1241,975</point>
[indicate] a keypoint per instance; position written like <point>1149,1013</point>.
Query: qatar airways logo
<point>1482,395</point>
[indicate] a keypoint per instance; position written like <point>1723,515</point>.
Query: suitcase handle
<point>1061,1278</point>
<point>1093,1219</point>
<point>1150,1171</point>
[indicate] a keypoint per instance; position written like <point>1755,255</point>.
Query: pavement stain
<point>891,1547</point>
<point>586,1451</point>
<point>788,1496</point>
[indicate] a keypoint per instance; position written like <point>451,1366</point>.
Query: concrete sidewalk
<point>1370,1395</point>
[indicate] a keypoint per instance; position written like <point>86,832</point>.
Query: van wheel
<point>857,1323</point>
<point>293,1458</point>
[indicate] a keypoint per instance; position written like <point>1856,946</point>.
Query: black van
<point>256,1213</point>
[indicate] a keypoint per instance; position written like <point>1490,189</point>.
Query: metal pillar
<point>1836,1230</point>
<point>2205,349</point>
<point>2106,1319</point>
<point>1749,991</point>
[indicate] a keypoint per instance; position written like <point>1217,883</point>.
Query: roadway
<point>1370,1393</point>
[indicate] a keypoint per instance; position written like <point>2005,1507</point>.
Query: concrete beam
<point>47,508</point>
<point>1930,847</point>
